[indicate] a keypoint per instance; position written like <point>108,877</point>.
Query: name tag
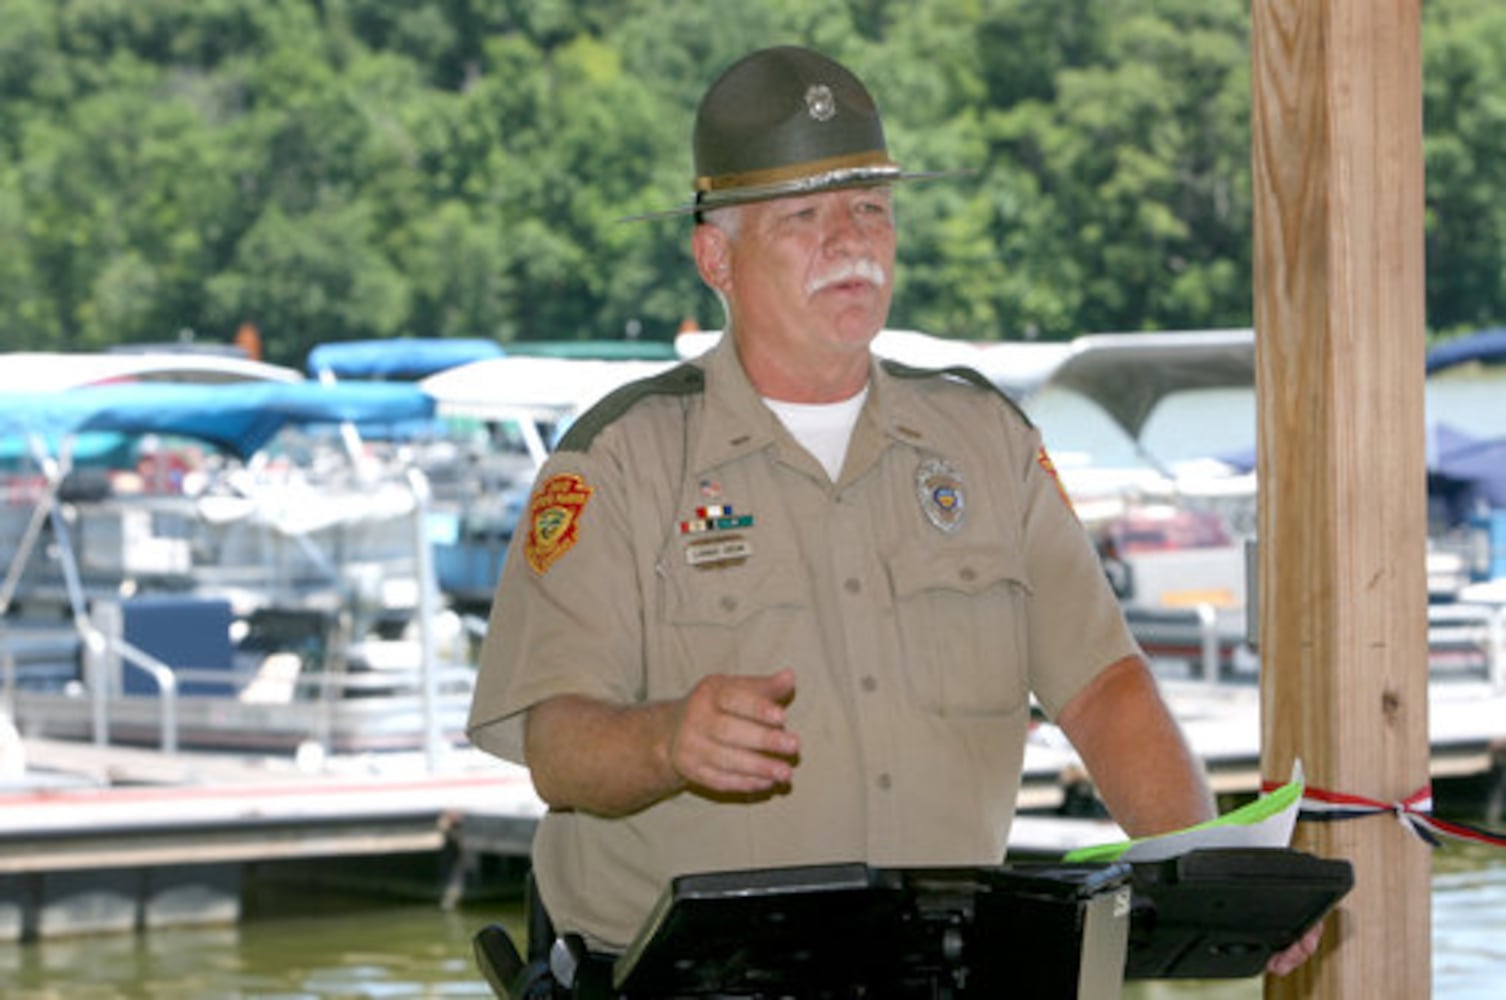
<point>730,550</point>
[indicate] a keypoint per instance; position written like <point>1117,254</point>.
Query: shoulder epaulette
<point>682,380</point>
<point>971,375</point>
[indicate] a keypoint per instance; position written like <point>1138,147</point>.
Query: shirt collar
<point>737,422</point>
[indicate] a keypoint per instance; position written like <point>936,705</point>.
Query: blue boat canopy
<point>1465,470</point>
<point>1488,347</point>
<point>403,358</point>
<point>239,417</point>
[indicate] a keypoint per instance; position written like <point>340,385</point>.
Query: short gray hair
<point>728,218</point>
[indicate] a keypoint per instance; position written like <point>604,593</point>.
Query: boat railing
<point>373,571</point>
<point>1498,649</point>
<point>453,681</point>
<point>1202,637</point>
<point>99,648</point>
<point>1466,642</point>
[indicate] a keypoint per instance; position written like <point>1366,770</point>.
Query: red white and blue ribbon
<point>1415,812</point>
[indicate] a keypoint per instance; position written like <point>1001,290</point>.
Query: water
<point>343,948</point>
<point>296,948</point>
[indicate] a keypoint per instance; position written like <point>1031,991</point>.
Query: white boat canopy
<point>46,371</point>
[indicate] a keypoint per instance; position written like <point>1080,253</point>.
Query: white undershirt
<point>823,428</point>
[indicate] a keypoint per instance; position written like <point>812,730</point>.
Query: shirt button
<point>883,782</point>
<point>968,574</point>
<point>729,604</point>
<point>853,585</point>
<point>869,684</point>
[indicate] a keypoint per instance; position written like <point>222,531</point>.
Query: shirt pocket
<point>961,616</point>
<point>750,619</point>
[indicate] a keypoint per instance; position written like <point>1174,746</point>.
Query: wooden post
<point>1339,314</point>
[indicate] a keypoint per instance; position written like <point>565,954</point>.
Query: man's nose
<point>846,233</point>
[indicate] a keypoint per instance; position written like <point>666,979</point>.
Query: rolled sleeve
<point>1076,627</point>
<point>569,627</point>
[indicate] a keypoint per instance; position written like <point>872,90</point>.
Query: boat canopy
<point>599,350</point>
<point>398,358</point>
<point>1465,469</point>
<point>1129,374</point>
<point>1486,347</point>
<point>38,371</point>
<point>562,387</point>
<point>239,418</point>
<point>1017,367</point>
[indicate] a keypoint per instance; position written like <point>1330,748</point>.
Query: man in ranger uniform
<point>787,603</point>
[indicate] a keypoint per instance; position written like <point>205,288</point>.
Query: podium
<point>854,931</point>
<point>824,932</point>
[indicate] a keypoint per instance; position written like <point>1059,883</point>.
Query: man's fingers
<point>738,734</point>
<point>761,699</point>
<point>781,686</point>
<point>728,768</point>
<point>731,734</point>
<point>1292,957</point>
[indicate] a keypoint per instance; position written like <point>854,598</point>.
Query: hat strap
<point>783,175</point>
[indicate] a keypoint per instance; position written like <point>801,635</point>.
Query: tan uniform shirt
<point>919,600</point>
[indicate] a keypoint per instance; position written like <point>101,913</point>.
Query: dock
<point>120,839</point>
<point>1467,741</point>
<point>117,839</point>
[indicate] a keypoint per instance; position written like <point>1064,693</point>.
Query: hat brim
<point>832,181</point>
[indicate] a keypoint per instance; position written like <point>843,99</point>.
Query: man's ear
<point>712,248</point>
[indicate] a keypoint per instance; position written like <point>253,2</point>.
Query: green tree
<point>310,278</point>
<point>351,168</point>
<point>1464,108</point>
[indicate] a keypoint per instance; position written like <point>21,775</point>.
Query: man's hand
<point>1284,962</point>
<point>729,734</point>
<point>727,737</point>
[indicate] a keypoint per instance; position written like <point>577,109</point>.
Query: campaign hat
<point>786,121</point>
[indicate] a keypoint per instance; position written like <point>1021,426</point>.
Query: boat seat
<point>190,634</point>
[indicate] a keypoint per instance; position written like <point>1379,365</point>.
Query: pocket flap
<point>965,569</point>
<point>729,596</point>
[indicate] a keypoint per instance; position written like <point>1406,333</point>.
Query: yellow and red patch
<point>1044,461</point>
<point>554,519</point>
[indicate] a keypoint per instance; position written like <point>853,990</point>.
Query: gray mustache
<point>864,268</point>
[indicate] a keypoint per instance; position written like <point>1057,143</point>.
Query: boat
<point>43,371</point>
<point>499,411</point>
<point>1177,536</point>
<point>1467,469</point>
<point>1019,368</point>
<point>396,358</point>
<point>224,566</point>
<point>1483,348</point>
<point>518,405</point>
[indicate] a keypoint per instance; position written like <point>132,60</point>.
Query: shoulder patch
<point>1049,467</point>
<point>955,373</point>
<point>554,519</point>
<point>682,380</point>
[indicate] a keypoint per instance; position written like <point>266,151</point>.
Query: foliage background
<point>341,169</point>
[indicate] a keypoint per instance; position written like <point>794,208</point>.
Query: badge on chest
<point>939,487</point>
